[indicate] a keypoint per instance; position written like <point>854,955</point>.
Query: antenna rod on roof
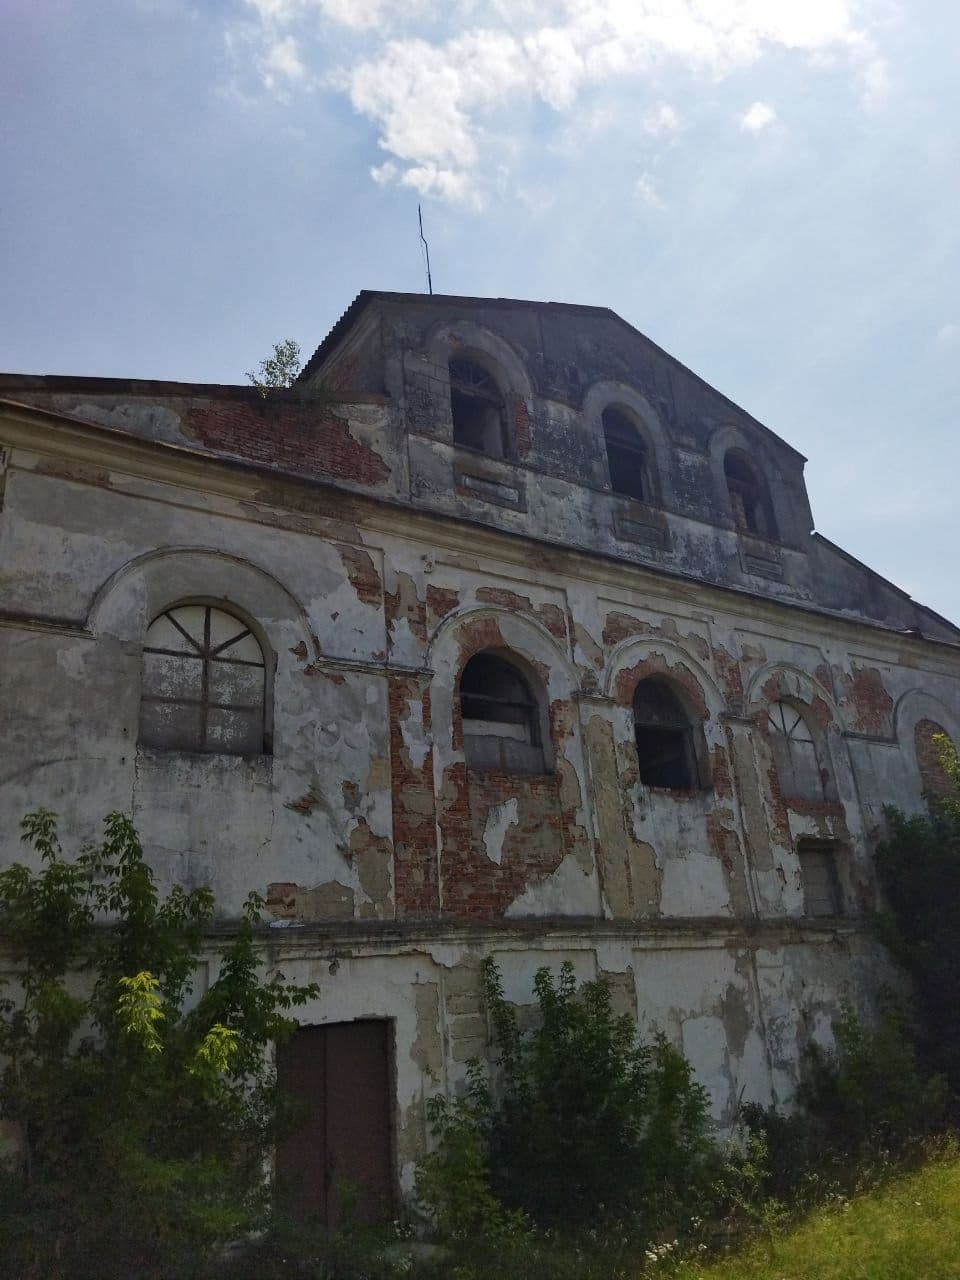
<point>426,249</point>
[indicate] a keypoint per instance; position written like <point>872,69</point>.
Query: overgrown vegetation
<point>279,369</point>
<point>143,1123</point>
<point>919,870</point>
<point>579,1123</point>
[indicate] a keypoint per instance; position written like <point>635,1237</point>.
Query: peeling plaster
<point>499,819</point>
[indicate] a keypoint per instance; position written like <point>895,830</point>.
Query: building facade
<point>500,633</point>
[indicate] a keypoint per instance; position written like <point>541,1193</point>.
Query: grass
<point>909,1229</point>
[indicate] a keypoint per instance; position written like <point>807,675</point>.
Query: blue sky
<point>769,189</point>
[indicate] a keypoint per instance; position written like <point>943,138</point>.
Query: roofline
<point>366,297</point>
<point>243,465</point>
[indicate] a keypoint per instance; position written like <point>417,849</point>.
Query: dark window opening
<point>203,683</point>
<point>795,752</point>
<point>477,409</point>
<point>819,878</point>
<point>664,735</point>
<point>626,456</point>
<point>751,512</point>
<point>501,721</point>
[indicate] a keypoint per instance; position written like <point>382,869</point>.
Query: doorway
<point>338,1162</point>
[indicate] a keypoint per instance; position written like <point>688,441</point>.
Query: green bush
<point>580,1121</point>
<point>144,1126</point>
<point>918,866</point>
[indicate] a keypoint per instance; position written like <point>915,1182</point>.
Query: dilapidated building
<point>499,633</point>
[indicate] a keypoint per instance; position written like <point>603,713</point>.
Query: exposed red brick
<point>656,665</point>
<point>520,421</point>
<point>936,781</point>
<point>362,573</point>
<point>872,704</point>
<point>549,614</point>
<point>441,601</point>
<point>414,807</point>
<point>307,439</point>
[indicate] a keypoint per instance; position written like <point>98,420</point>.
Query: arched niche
<point>626,399</point>
<point>129,601</point>
<point>915,711</point>
<point>800,719</point>
<point>521,640</point>
<point>728,445</point>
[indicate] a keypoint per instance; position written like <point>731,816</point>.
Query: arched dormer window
<point>664,736</point>
<point>748,496</point>
<point>795,753</point>
<point>477,409</point>
<point>627,456</point>
<point>204,683</point>
<point>501,717</point>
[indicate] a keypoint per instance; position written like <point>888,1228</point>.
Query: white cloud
<point>757,117</point>
<point>948,335</point>
<point>283,59</point>
<point>645,188</point>
<point>661,121</point>
<point>441,106</point>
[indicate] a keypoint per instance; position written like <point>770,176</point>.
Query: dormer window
<point>477,409</point>
<point>748,497</point>
<point>627,456</point>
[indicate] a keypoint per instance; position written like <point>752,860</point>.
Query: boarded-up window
<point>203,683</point>
<point>501,720</point>
<point>626,456</point>
<point>795,751</point>
<point>819,878</point>
<point>477,409</point>
<point>664,737</point>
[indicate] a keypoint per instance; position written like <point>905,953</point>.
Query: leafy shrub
<point>870,1091</point>
<point>581,1120</point>
<point>144,1126</point>
<point>918,866</point>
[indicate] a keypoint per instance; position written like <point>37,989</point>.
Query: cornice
<point>35,434</point>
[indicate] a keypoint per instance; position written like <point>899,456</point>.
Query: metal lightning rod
<point>426,249</point>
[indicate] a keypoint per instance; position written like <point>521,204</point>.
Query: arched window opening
<point>501,718</point>
<point>819,878</point>
<point>795,752</point>
<point>203,683</point>
<point>477,409</point>
<point>928,740</point>
<point>627,456</point>
<point>664,734</point>
<point>751,512</point>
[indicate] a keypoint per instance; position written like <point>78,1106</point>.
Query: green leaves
<point>279,369</point>
<point>124,1096</point>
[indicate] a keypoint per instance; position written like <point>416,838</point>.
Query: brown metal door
<point>338,1161</point>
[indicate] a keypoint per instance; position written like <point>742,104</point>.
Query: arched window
<point>665,750</point>
<point>477,409</point>
<point>501,717</point>
<point>795,752</point>
<point>627,456</point>
<point>748,499</point>
<point>203,683</point>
